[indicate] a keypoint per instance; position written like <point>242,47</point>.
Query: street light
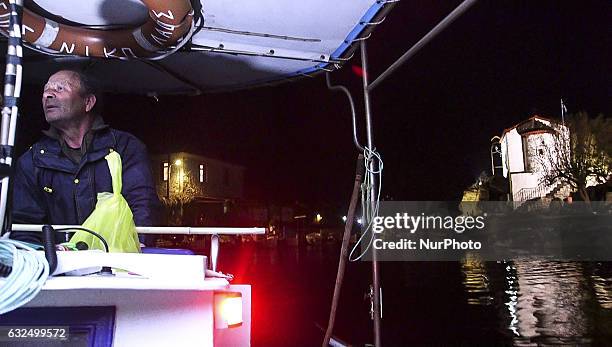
<point>180,175</point>
<point>318,218</point>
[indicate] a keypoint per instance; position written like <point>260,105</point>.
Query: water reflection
<point>544,302</point>
<point>476,281</point>
<point>522,303</point>
<point>512,295</point>
<point>602,285</point>
<point>551,303</point>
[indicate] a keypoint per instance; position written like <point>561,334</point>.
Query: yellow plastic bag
<point>112,217</point>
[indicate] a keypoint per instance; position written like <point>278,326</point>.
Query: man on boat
<point>57,180</point>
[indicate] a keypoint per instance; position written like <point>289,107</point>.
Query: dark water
<point>528,303</point>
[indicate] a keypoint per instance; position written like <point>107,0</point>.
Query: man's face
<point>62,98</point>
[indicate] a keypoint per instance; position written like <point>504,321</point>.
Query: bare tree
<point>181,191</point>
<point>580,153</point>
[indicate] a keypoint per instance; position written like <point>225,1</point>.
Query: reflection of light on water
<point>476,281</point>
<point>547,302</point>
<point>512,292</point>
<point>603,290</point>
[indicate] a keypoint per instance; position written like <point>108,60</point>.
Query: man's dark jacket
<point>50,188</point>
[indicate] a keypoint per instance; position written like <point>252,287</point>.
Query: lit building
<point>214,179</point>
<point>522,147</point>
<point>209,185</point>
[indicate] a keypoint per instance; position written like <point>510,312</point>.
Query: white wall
<point>512,152</point>
<point>525,170</point>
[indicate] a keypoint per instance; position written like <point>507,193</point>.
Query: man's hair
<point>88,86</point>
<point>87,83</point>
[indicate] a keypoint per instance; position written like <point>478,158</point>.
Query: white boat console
<point>148,299</point>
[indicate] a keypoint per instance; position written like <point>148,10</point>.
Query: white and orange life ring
<point>168,22</point>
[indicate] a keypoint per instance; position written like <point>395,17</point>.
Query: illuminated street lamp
<point>180,175</point>
<point>318,218</point>
<point>344,219</point>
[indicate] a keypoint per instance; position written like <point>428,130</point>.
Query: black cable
<point>89,231</point>
<point>5,270</point>
<point>198,15</point>
<point>48,238</point>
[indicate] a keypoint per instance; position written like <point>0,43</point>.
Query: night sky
<point>498,64</point>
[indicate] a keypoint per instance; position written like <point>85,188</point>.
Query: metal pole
<point>492,161</point>
<point>10,109</point>
<point>563,110</point>
<point>168,179</point>
<point>423,41</point>
<point>161,230</point>
<point>373,197</point>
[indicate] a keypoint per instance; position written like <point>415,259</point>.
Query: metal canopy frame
<point>449,19</point>
<point>376,289</point>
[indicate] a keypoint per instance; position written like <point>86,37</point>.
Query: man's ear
<point>90,102</point>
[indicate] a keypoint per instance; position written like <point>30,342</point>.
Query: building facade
<point>205,178</point>
<point>523,148</point>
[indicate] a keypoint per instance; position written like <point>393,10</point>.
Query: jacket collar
<point>97,124</point>
<point>47,152</point>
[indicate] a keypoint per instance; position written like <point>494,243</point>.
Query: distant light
<point>318,218</point>
<point>344,219</point>
<point>359,220</point>
<point>178,162</point>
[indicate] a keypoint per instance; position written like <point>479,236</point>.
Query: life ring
<point>168,21</point>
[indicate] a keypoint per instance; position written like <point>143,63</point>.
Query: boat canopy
<point>235,44</point>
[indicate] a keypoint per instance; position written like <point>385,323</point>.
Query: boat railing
<point>213,231</point>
